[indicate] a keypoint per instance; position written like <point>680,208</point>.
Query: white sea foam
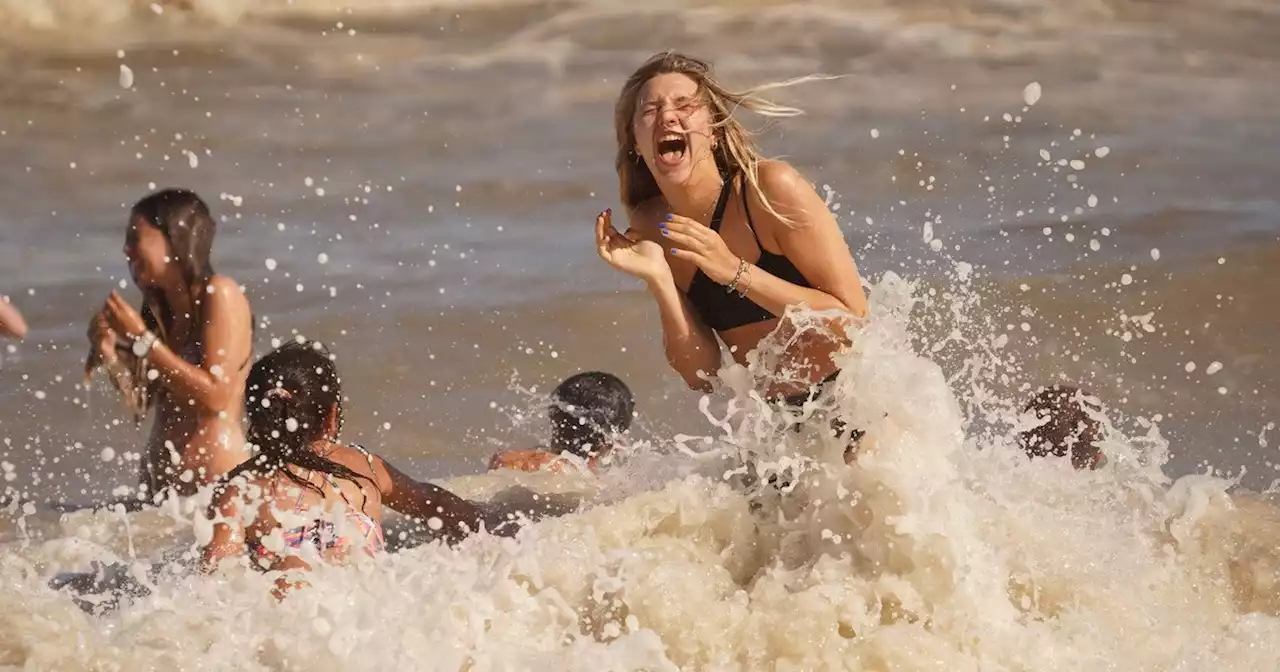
<point>941,548</point>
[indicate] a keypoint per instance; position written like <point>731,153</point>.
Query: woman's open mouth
<point>671,147</point>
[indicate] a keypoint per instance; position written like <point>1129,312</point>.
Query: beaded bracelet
<point>742,268</point>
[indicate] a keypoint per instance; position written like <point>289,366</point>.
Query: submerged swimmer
<point>588,411</point>
<point>1066,427</point>
<point>307,493</point>
<point>186,355</point>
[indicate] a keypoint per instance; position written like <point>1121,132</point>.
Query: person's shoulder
<point>227,292</point>
<point>789,194</point>
<point>354,457</point>
<point>780,181</point>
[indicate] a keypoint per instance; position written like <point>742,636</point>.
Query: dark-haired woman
<point>307,495</point>
<point>186,355</point>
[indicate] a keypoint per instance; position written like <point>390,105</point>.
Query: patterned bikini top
<point>323,534</point>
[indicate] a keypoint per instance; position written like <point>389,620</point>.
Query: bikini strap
<point>367,455</point>
<point>746,210</point>
<point>718,217</point>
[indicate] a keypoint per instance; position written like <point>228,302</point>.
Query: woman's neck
<point>697,197</point>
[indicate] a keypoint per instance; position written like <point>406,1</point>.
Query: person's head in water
<point>1065,427</point>
<point>675,125</point>
<point>588,411</point>
<point>293,403</point>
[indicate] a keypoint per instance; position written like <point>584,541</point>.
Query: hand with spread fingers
<point>696,242</point>
<point>629,254</point>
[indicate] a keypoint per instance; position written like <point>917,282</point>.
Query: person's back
<point>1066,426</point>
<point>308,494</point>
<point>588,412</point>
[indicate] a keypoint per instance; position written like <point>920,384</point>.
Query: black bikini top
<point>723,310</point>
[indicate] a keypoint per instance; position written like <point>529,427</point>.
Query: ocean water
<point>1035,192</point>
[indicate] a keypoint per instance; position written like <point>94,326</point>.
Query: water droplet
<point>271,264</point>
<point>126,77</point>
<point>1031,94</point>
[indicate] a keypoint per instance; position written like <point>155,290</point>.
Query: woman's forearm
<point>210,390</point>
<point>691,348</point>
<point>774,294</point>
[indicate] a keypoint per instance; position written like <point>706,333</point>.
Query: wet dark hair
<point>288,397</point>
<point>1067,426</point>
<point>586,409</point>
<point>184,219</point>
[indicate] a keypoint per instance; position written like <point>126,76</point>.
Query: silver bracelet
<point>143,344</point>
<point>742,268</point>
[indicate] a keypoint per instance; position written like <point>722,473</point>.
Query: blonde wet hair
<point>736,151</point>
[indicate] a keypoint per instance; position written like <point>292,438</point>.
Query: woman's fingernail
<point>670,216</point>
<point>665,232</point>
<point>673,250</point>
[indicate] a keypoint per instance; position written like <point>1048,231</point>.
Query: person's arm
<point>228,531</point>
<point>812,240</point>
<point>690,346</point>
<point>11,323</point>
<point>226,339</point>
<point>440,510</point>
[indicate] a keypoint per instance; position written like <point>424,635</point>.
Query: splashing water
<point>941,548</point>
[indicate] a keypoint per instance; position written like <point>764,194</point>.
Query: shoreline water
<point>447,160</point>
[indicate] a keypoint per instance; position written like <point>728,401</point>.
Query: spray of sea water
<point>940,548</point>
